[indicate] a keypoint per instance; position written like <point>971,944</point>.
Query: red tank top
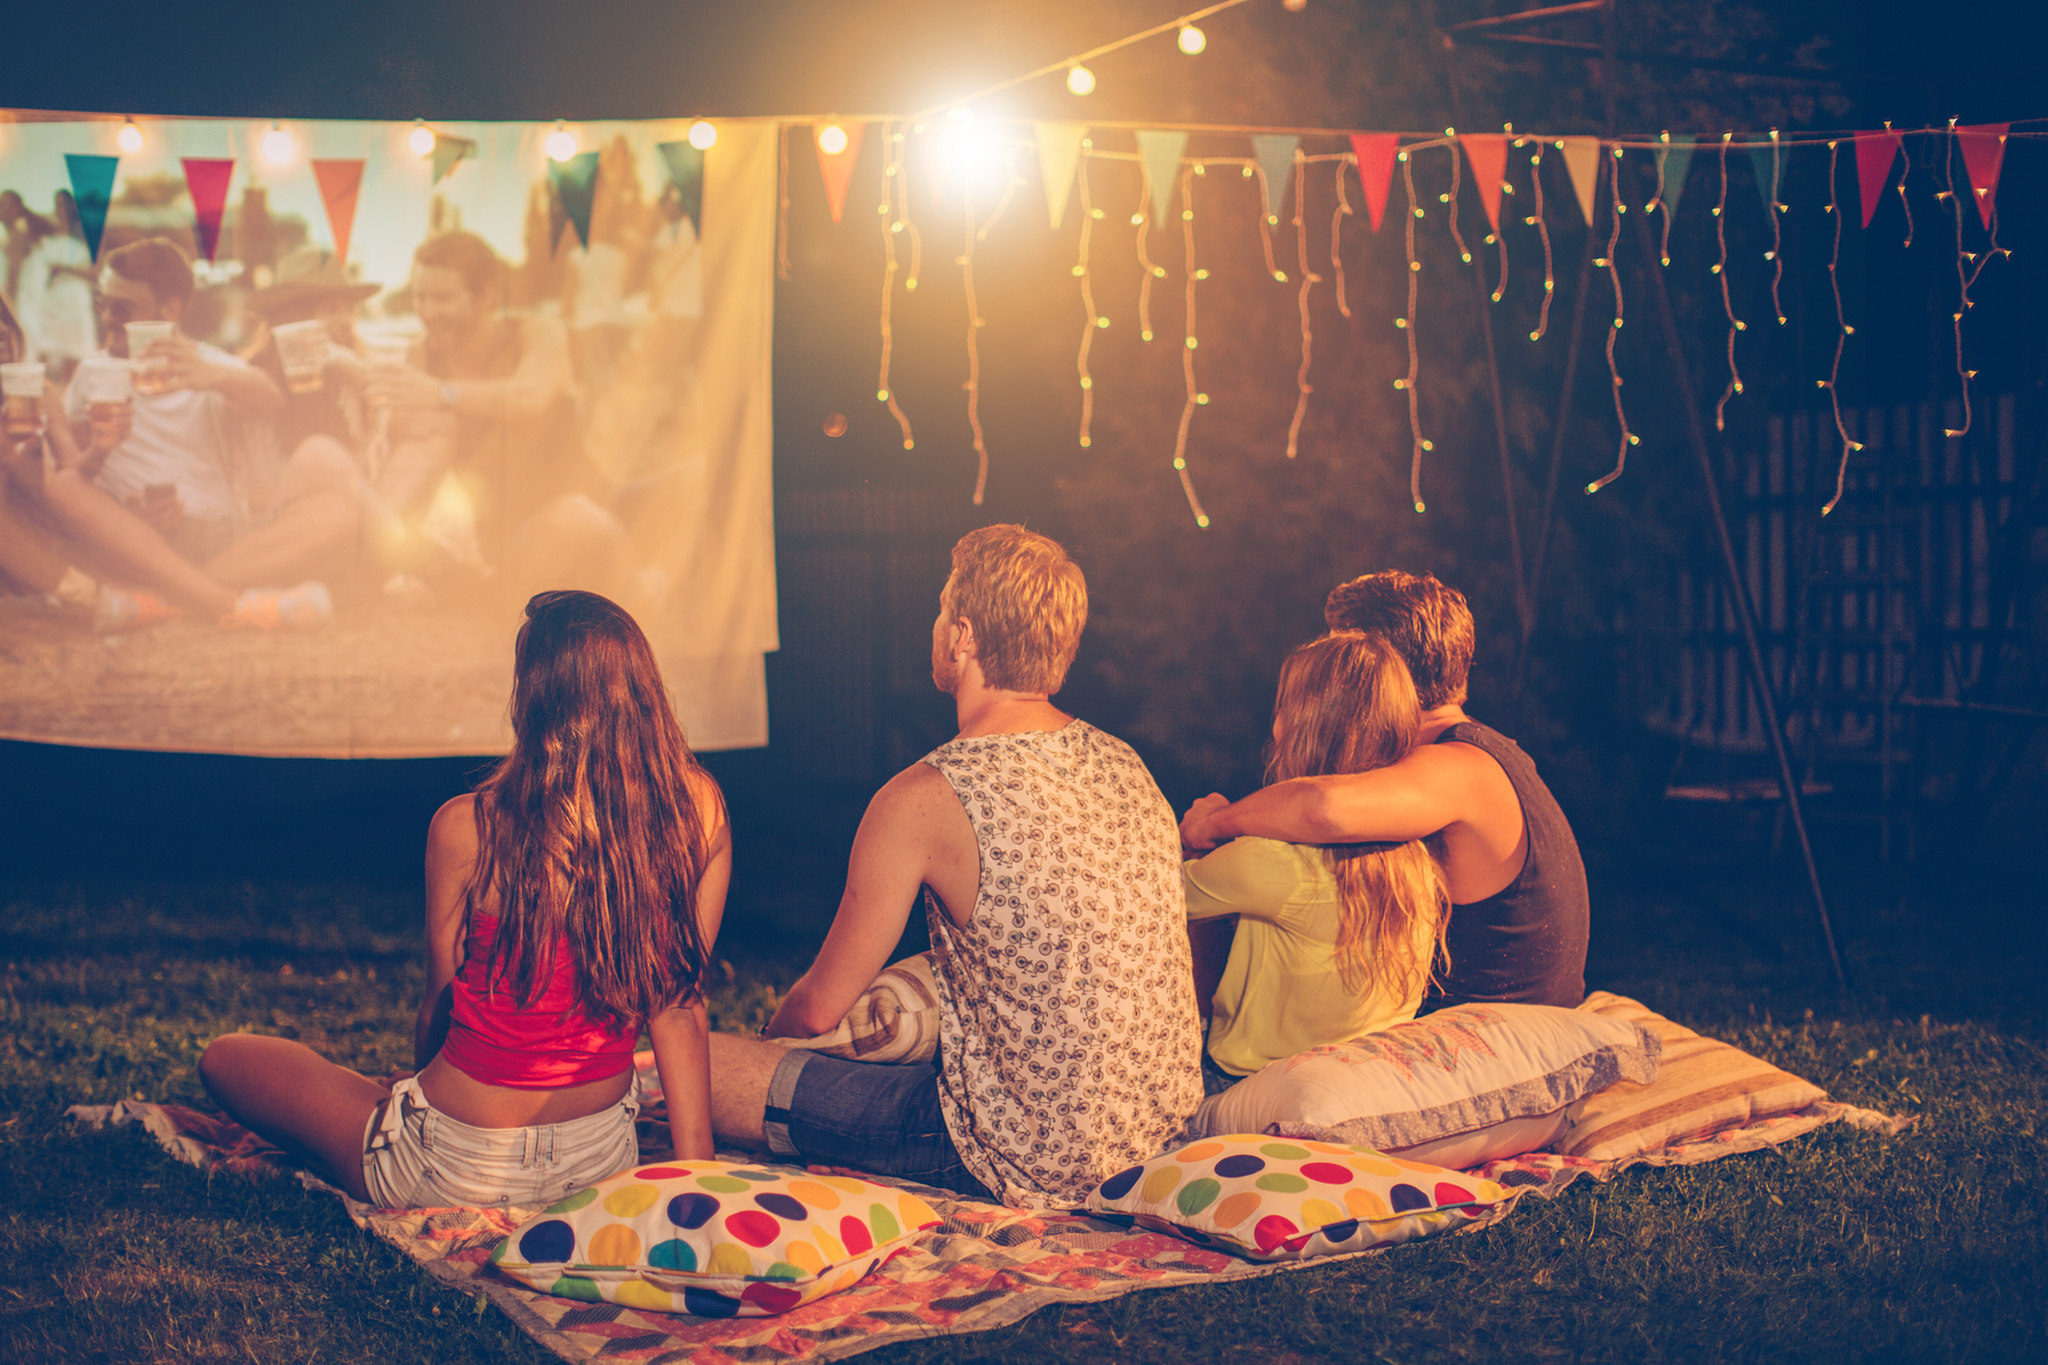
<point>548,1044</point>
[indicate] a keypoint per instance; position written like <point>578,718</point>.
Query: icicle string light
<point>1843,331</point>
<point>782,202</point>
<point>1735,324</point>
<point>1343,211</point>
<point>893,193</point>
<point>1081,270</point>
<point>1500,239</point>
<point>1450,145</point>
<point>1267,221</point>
<point>1664,249</point>
<point>1963,280</point>
<point>1407,325</point>
<point>1309,279</point>
<point>1542,230</point>
<point>1776,255</point>
<point>974,325</point>
<point>1608,263</point>
<point>1187,353</point>
<point>1905,169</point>
<point>1148,271</point>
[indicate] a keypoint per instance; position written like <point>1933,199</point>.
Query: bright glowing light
<point>129,139</point>
<point>278,146</point>
<point>702,135</point>
<point>1192,39</point>
<point>420,140</point>
<point>832,139</point>
<point>1294,6</point>
<point>968,152</point>
<point>1080,80</point>
<point>561,144</point>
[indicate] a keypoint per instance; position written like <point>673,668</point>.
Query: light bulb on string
<point>832,139</point>
<point>1192,40</point>
<point>129,139</point>
<point>1294,6</point>
<point>702,135</point>
<point>561,144</point>
<point>278,145</point>
<point>421,139</point>
<point>1080,80</point>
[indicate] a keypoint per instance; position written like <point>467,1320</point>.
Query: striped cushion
<point>1702,1087</point>
<point>895,1020</point>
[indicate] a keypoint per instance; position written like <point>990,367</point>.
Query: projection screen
<point>390,381</point>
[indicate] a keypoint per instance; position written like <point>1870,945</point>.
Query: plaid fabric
<point>895,1020</point>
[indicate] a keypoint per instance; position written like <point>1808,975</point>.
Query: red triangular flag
<point>837,167</point>
<point>1375,153</point>
<point>1488,153</point>
<point>1875,153</point>
<point>340,182</point>
<point>1983,150</point>
<point>206,179</point>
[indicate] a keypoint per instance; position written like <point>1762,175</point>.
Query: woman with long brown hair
<point>572,901</point>
<point>1331,942</point>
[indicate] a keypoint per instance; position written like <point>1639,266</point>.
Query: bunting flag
<point>1875,153</point>
<point>686,172</point>
<point>1275,155</point>
<point>1983,147</point>
<point>1375,153</point>
<point>1768,160</point>
<point>340,183</point>
<point>92,190</point>
<point>1674,159</point>
<point>1582,163</point>
<point>1160,155</point>
<point>1488,153</point>
<point>447,152</point>
<point>575,182</point>
<point>1059,156</point>
<point>206,179</point>
<point>558,217</point>
<point>837,167</point>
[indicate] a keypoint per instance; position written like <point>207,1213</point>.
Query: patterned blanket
<point>985,1267</point>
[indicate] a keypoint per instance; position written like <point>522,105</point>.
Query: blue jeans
<point>825,1111</point>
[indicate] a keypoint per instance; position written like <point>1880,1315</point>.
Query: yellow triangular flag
<point>1582,159</point>
<point>1059,153</point>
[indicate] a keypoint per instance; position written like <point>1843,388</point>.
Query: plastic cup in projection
<point>152,374</point>
<point>386,351</point>
<point>109,393</point>
<point>304,348</point>
<point>22,383</point>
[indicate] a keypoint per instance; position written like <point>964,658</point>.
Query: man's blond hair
<point>1027,601</point>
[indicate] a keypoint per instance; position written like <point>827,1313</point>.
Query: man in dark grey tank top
<point>1518,924</point>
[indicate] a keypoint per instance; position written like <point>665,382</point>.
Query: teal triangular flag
<point>1769,162</point>
<point>1275,153</point>
<point>1673,161</point>
<point>575,182</point>
<point>1160,154</point>
<point>686,173</point>
<point>448,151</point>
<point>92,189</point>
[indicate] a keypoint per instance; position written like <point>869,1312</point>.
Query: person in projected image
<point>1518,923</point>
<point>487,472</point>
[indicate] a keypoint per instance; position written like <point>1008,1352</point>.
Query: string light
<point>1905,169</point>
<point>1141,219</point>
<point>1614,331</point>
<point>1776,254</point>
<point>1080,80</point>
<point>1664,251</point>
<point>1542,230</point>
<point>1187,354</point>
<point>1407,325</point>
<point>1337,217</point>
<point>1267,221</point>
<point>1451,146</point>
<point>975,323</point>
<point>421,139</point>
<point>1192,40</point>
<point>561,144</point>
<point>895,189</point>
<point>1498,238</point>
<point>1088,329</point>
<point>1963,281</point>
<point>1309,279</point>
<point>129,139</point>
<point>278,145</point>
<point>1843,331</point>
<point>703,135</point>
<point>1735,324</point>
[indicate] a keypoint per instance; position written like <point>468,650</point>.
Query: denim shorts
<point>867,1116</point>
<point>416,1157</point>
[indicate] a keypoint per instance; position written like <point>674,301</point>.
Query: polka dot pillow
<point>712,1238</point>
<point>1271,1200</point>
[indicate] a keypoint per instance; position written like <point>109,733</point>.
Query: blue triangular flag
<point>1768,160</point>
<point>92,189</point>
<point>686,173</point>
<point>1673,161</point>
<point>575,182</point>
<point>1275,153</point>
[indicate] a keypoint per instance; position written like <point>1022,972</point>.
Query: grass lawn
<point>1840,1246</point>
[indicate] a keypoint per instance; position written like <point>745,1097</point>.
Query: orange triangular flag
<point>1375,153</point>
<point>1983,150</point>
<point>1488,153</point>
<point>1875,153</point>
<point>340,182</point>
<point>1582,160</point>
<point>837,167</point>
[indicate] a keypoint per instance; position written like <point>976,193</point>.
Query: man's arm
<point>542,374</point>
<point>1431,788</point>
<point>241,384</point>
<point>893,853</point>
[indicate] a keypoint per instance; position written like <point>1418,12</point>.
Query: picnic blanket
<point>984,1267</point>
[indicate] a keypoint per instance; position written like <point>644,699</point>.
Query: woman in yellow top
<point>1332,942</point>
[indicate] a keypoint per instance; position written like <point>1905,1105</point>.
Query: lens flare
<point>702,135</point>
<point>1080,80</point>
<point>561,144</point>
<point>832,140</point>
<point>420,140</point>
<point>1192,39</point>
<point>129,139</point>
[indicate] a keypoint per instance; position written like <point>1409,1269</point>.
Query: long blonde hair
<point>1346,704</point>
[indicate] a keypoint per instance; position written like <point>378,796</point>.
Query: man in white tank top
<point>1048,862</point>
